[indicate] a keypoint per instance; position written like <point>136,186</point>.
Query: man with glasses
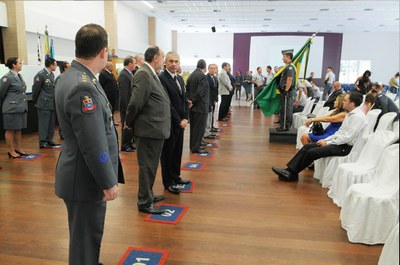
<point>338,144</point>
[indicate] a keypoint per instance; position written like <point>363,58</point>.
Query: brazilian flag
<point>269,99</point>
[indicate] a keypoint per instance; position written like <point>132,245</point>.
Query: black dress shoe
<point>215,130</point>
<point>277,121</point>
<point>282,129</point>
<point>173,189</point>
<point>20,153</point>
<point>151,209</point>
<point>158,198</point>
<point>312,167</point>
<point>183,181</point>
<point>53,144</point>
<point>211,136</point>
<point>127,149</point>
<point>45,146</point>
<point>204,143</point>
<point>200,151</point>
<point>285,174</point>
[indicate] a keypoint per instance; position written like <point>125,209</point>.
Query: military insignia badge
<point>88,104</point>
<point>38,79</point>
<point>290,68</point>
<point>4,79</point>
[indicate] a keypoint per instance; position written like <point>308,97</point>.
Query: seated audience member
<point>316,92</point>
<point>369,101</point>
<point>394,83</point>
<point>382,102</point>
<point>311,77</point>
<point>335,119</point>
<point>337,90</point>
<point>338,144</point>
<point>301,98</point>
<point>363,83</point>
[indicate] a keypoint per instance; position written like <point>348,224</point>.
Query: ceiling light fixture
<point>270,10</point>
<point>324,9</point>
<point>313,18</point>
<point>340,25</point>
<point>147,4</point>
<point>368,9</point>
<point>267,19</point>
<point>351,18</point>
<point>306,25</point>
<point>216,10</point>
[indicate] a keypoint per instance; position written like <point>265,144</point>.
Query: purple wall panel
<point>332,50</point>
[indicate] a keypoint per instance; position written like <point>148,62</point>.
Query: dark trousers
<point>257,90</point>
<point>127,134</point>
<point>86,226</point>
<point>47,122</point>
<point>286,112</point>
<point>212,115</point>
<point>224,107</point>
<point>198,123</point>
<point>311,152</point>
<point>171,158</point>
<point>148,155</point>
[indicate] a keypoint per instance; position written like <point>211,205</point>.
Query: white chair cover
<point>298,117</point>
<point>363,169</point>
<point>390,251</point>
<point>370,211</point>
<point>326,167</point>
<point>396,129</point>
<point>386,121</point>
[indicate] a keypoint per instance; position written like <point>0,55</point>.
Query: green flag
<point>269,98</point>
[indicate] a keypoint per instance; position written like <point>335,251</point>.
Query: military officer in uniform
<point>287,85</point>
<point>43,97</point>
<point>87,169</point>
<point>14,106</point>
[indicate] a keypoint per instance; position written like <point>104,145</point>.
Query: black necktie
<point>177,84</point>
<point>213,78</point>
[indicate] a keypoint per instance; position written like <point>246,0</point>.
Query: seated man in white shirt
<point>338,144</point>
<point>301,97</point>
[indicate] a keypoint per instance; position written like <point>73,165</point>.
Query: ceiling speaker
<point>213,29</point>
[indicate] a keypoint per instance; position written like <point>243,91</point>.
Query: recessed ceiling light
<point>306,25</point>
<point>183,19</point>
<point>340,25</point>
<point>221,19</point>
<point>324,9</point>
<point>368,9</point>
<point>313,18</point>
<point>351,18</point>
<point>267,19</point>
<point>381,25</point>
<point>226,30</point>
<point>270,10</point>
<point>265,25</point>
<point>216,10</point>
<point>190,26</point>
<point>160,1</point>
<point>224,26</point>
<point>172,11</point>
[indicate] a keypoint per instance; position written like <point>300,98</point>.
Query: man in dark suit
<point>337,90</point>
<point>213,83</point>
<point>171,156</point>
<point>87,169</point>
<point>149,115</point>
<point>383,103</point>
<point>43,97</point>
<point>124,82</point>
<point>109,84</point>
<point>139,61</point>
<point>198,93</point>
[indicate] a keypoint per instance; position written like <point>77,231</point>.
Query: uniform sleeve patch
<point>4,79</point>
<point>88,105</point>
<point>103,157</point>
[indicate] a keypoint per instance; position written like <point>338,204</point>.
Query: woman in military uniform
<point>14,106</point>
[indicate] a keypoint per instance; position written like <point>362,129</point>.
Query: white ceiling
<point>274,15</point>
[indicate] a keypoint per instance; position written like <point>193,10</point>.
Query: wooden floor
<point>238,214</point>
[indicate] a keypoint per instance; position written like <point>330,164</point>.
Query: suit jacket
<point>225,86</point>
<point>88,162</point>
<point>124,82</point>
<point>385,104</point>
<point>179,104</point>
<point>149,110</point>
<point>43,90</point>
<point>330,102</point>
<point>198,91</point>
<point>213,89</point>
<point>12,94</point>
<point>109,85</point>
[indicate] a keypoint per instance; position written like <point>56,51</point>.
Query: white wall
<point>3,15</point>
<point>63,18</point>
<point>163,36</point>
<point>132,30</point>
<point>213,47</point>
<point>382,49</point>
